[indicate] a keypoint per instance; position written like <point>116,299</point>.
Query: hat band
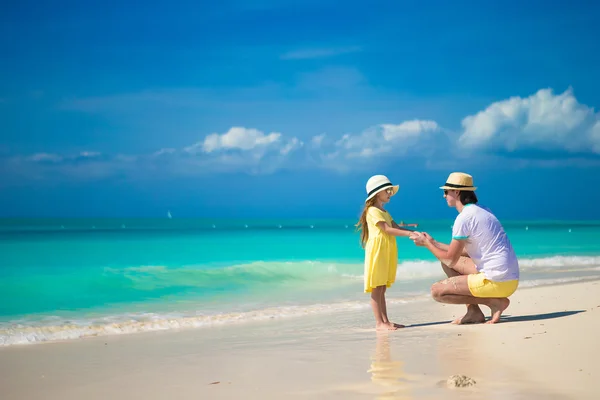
<point>379,187</point>
<point>457,186</point>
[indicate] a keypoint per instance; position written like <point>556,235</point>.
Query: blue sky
<point>284,108</point>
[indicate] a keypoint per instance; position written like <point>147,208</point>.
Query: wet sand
<point>545,348</point>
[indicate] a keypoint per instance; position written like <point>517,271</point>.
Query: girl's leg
<point>378,306</point>
<point>384,315</point>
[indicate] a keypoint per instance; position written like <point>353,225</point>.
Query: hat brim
<point>395,187</point>
<point>466,189</point>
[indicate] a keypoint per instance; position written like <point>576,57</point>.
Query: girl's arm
<point>396,226</point>
<point>390,230</point>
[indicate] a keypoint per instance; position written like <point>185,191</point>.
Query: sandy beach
<point>530,354</point>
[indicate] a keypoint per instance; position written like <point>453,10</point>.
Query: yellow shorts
<point>479,286</point>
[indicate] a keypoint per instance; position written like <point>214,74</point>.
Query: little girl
<point>378,238</point>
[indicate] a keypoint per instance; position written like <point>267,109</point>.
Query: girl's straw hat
<point>459,181</point>
<point>377,183</point>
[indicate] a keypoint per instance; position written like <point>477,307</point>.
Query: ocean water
<point>73,278</point>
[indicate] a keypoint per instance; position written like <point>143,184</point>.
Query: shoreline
<point>334,355</point>
<point>238,318</point>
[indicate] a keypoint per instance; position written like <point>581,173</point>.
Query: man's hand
<point>421,238</point>
<point>428,237</point>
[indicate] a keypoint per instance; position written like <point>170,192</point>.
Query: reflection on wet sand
<point>386,372</point>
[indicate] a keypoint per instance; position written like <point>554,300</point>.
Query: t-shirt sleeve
<point>375,215</point>
<point>461,229</point>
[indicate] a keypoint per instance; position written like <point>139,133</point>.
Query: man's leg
<point>455,290</point>
<point>464,266</point>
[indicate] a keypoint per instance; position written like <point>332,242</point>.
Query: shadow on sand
<point>509,318</point>
<point>539,317</point>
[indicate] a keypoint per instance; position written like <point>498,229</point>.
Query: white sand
<point>333,356</point>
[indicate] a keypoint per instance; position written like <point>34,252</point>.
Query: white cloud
<point>236,138</point>
<point>542,122</point>
<point>555,125</point>
<point>304,54</point>
<point>165,151</point>
<point>44,157</point>
<point>89,154</point>
<point>56,158</point>
<point>292,145</point>
<point>386,138</point>
<point>595,136</point>
<point>408,129</point>
<point>316,141</point>
<point>239,149</point>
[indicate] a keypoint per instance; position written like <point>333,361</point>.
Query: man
<point>480,263</point>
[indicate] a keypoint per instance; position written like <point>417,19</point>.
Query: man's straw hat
<point>459,181</point>
<point>377,183</point>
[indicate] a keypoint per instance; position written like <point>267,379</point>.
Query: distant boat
<point>169,214</point>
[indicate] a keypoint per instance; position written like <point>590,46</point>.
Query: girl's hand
<point>414,235</point>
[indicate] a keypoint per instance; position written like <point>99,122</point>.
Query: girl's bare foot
<point>497,306</point>
<point>385,326</point>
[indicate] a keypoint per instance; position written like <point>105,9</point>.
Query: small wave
<point>560,261</point>
<point>424,269</point>
<point>302,273</point>
<point>147,322</point>
<point>558,281</point>
<point>149,277</point>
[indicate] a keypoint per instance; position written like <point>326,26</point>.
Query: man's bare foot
<point>474,315</point>
<point>497,306</point>
<point>386,326</point>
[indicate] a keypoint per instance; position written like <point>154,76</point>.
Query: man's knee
<point>446,265</point>
<point>436,291</point>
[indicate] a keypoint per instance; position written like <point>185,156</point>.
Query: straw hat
<point>377,183</point>
<point>459,181</point>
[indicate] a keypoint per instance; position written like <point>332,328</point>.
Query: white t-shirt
<point>486,243</point>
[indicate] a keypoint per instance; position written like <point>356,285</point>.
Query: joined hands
<point>419,238</point>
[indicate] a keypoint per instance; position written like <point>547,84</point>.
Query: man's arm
<point>443,246</point>
<point>452,251</point>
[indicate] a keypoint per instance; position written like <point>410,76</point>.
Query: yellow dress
<point>381,252</point>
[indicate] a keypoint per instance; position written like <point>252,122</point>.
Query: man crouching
<point>480,263</point>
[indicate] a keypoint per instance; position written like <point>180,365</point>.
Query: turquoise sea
<point>73,278</point>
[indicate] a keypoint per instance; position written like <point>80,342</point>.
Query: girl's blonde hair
<point>362,222</point>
